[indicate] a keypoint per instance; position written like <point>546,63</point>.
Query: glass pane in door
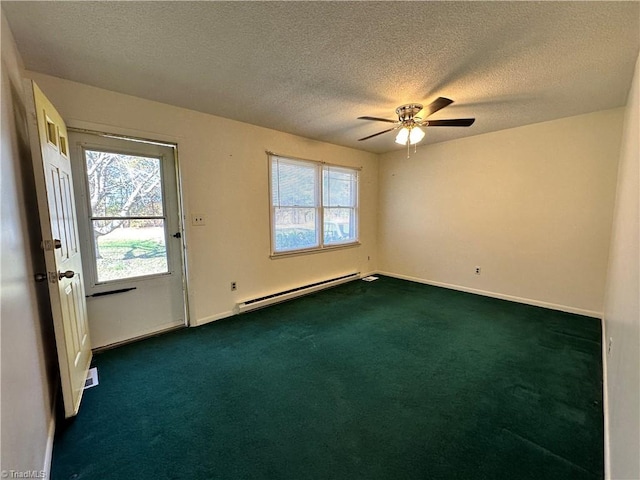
<point>123,185</point>
<point>136,248</point>
<point>127,215</point>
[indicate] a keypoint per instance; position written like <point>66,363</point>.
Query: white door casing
<point>60,241</point>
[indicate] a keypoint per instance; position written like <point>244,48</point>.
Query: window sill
<point>295,253</point>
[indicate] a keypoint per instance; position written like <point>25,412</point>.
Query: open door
<point>58,220</point>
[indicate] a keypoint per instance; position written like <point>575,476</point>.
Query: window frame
<point>319,167</point>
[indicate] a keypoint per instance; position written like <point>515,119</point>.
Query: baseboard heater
<point>266,300</point>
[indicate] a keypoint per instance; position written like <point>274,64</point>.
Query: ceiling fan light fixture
<point>403,136</point>
<point>412,135</point>
<point>415,135</point>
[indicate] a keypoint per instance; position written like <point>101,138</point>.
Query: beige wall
<point>225,177</point>
<point>532,206</point>
<point>622,309</point>
<point>27,355</point>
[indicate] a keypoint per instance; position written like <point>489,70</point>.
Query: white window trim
<point>320,220</point>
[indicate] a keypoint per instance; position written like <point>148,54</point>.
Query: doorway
<point>131,236</point>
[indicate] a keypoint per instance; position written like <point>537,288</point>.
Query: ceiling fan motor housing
<point>406,113</point>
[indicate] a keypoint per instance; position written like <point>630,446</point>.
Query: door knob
<point>41,277</point>
<point>67,274</point>
<point>57,243</point>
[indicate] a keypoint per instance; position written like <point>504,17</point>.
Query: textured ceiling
<point>311,68</point>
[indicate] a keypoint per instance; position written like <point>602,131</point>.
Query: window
<point>127,215</point>
<point>313,205</point>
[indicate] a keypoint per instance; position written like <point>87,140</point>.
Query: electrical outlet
<point>234,286</point>
<point>477,270</point>
<point>198,219</point>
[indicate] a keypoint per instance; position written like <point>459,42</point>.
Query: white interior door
<point>56,204</point>
<point>130,225</point>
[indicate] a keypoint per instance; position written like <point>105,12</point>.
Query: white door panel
<point>150,308</point>
<point>58,222</point>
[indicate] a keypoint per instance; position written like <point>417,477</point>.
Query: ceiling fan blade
<point>376,134</point>
<point>438,104</point>
<point>458,122</point>
<point>377,119</point>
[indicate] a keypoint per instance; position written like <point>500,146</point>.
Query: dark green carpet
<point>381,380</point>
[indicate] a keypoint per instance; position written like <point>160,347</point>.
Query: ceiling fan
<point>411,118</point>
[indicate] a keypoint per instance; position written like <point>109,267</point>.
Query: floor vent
<point>92,378</point>
<point>266,300</point>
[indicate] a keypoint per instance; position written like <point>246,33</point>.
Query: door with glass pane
<point>63,258</point>
<point>131,230</point>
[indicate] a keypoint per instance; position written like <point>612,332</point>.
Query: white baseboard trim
<point>605,403</point>
<point>139,336</point>
<point>501,296</point>
<point>368,274</point>
<point>213,318</point>
<point>48,452</point>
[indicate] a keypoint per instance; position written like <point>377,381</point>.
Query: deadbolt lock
<point>51,244</point>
